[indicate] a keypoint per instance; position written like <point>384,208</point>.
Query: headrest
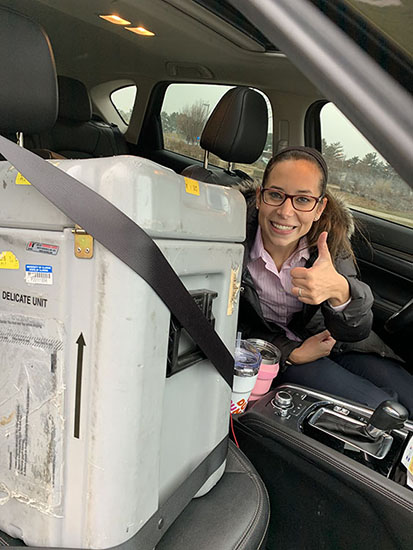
<point>236,131</point>
<point>28,91</point>
<point>74,100</point>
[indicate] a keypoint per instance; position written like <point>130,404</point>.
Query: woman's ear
<point>320,208</point>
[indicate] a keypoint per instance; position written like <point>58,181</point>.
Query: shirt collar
<point>302,251</point>
<point>258,250</point>
<point>258,246</point>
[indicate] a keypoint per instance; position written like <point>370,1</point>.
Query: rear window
<point>123,100</point>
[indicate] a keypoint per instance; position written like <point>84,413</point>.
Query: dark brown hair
<point>335,219</point>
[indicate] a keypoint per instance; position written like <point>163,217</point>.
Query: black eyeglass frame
<point>287,196</point>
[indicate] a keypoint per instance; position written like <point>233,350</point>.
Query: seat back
<point>28,93</point>
<point>75,134</point>
<point>235,132</point>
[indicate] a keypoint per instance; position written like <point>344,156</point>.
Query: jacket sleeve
<point>285,345</point>
<point>354,323</point>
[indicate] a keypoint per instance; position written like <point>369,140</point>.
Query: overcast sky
<point>336,127</point>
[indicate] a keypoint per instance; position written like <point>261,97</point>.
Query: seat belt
<point>128,242</point>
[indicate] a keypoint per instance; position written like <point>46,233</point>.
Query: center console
<point>333,469</point>
<point>376,439</point>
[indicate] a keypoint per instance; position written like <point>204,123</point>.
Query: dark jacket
<point>350,327</point>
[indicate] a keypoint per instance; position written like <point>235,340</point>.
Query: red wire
<point>233,433</point>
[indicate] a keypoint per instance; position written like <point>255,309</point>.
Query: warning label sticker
<point>8,260</point>
<point>31,411</point>
<point>39,274</point>
<point>192,186</point>
<point>21,180</point>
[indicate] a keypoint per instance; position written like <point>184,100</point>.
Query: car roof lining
<point>103,52</point>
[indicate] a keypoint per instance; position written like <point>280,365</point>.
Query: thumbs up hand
<point>320,282</point>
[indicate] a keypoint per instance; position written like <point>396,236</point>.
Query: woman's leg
<point>382,372</point>
<point>328,376</point>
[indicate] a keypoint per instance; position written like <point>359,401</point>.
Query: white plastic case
<point>86,468</point>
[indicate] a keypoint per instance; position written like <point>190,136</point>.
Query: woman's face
<point>283,226</point>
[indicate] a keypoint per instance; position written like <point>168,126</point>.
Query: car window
<point>392,17</point>
<point>358,172</point>
<point>382,28</point>
<point>185,111</point>
<point>123,100</point>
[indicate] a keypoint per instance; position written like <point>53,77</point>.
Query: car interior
<point>208,95</point>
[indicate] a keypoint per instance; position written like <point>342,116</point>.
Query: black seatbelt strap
<point>125,240</point>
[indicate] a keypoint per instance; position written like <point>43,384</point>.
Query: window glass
<point>359,173</point>
<point>124,99</point>
<point>394,17</point>
<point>185,110</point>
<point>382,28</point>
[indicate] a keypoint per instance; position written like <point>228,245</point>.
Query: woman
<point>300,289</point>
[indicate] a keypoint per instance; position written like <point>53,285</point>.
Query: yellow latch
<point>83,243</point>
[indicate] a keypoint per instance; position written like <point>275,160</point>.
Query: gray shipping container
<point>88,470</point>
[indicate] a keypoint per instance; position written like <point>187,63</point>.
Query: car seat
<point>75,134</point>
<point>235,132</point>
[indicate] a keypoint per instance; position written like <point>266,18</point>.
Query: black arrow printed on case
<point>78,395</point>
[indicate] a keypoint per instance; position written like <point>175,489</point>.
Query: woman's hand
<point>320,282</point>
<point>313,348</point>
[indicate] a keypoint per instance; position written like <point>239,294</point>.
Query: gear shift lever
<point>389,415</point>
<point>372,438</point>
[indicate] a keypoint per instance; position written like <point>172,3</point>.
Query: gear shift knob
<point>389,415</point>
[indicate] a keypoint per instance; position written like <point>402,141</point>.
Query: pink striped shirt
<point>273,286</point>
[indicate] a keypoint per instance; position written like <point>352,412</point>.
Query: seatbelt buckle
<point>83,243</point>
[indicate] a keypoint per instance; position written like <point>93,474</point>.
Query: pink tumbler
<point>268,369</point>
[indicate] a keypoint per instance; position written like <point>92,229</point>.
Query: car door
<point>386,264</point>
<point>382,206</point>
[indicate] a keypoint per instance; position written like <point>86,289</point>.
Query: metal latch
<point>83,243</point>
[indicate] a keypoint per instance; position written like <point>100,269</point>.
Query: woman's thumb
<point>322,246</point>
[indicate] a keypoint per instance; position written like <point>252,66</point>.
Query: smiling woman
<point>301,291</point>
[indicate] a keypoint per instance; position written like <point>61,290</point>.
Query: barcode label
<point>39,274</point>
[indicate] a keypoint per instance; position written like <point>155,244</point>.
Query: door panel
<point>385,259</point>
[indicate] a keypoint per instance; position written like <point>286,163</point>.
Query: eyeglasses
<point>302,203</point>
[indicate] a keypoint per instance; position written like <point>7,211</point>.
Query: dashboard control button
<point>283,399</point>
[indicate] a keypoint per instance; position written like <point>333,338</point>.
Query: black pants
<point>365,378</point>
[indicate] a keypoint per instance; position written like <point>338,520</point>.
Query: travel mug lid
<point>270,354</point>
<point>247,359</point>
